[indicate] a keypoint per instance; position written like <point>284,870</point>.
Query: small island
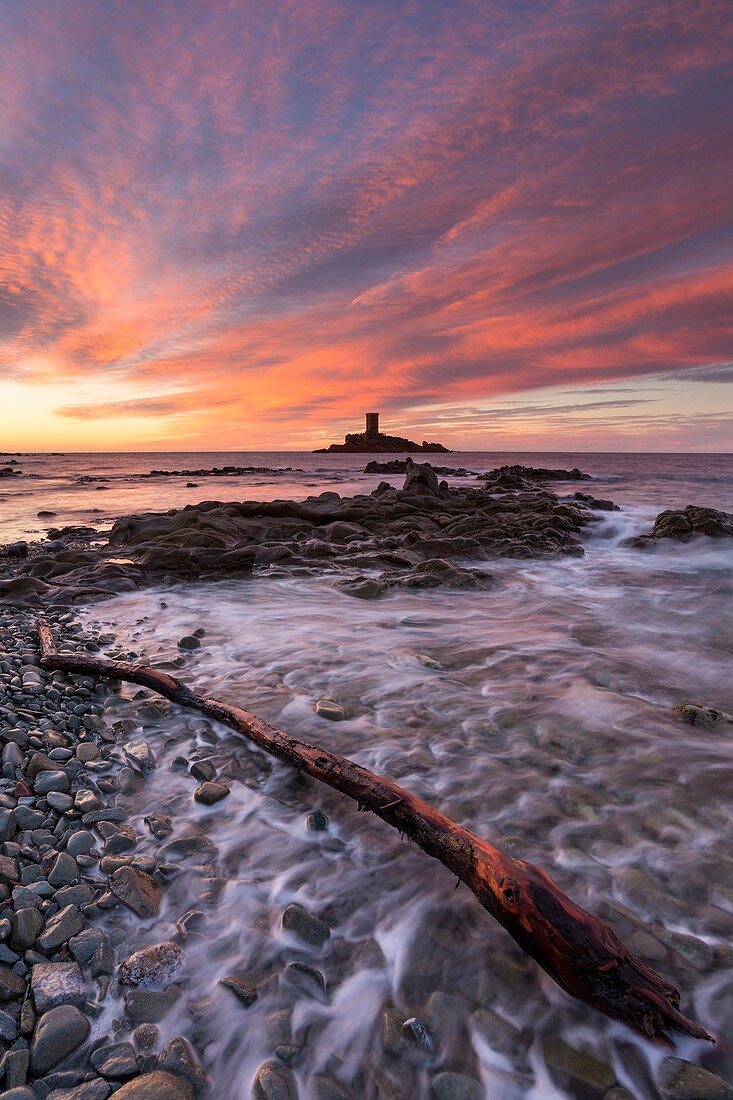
<point>372,441</point>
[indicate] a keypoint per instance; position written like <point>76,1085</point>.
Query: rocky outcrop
<point>685,524</point>
<point>387,530</point>
<point>521,478</point>
<point>399,466</point>
<point>381,444</point>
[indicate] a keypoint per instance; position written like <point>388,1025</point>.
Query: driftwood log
<point>578,950</point>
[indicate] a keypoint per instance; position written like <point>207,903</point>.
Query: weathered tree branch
<point>578,950</point>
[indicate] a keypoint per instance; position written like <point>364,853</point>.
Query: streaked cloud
<point>301,210</point>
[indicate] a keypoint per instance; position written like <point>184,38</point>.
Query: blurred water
<point>539,714</point>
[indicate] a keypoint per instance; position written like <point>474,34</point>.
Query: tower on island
<point>372,441</point>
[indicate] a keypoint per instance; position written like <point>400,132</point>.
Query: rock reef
<point>684,524</point>
<point>392,530</point>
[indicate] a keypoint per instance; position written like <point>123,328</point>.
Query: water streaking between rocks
<point>310,952</point>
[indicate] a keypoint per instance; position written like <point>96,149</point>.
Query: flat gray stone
<point>59,929</point>
<point>118,1060</point>
<point>137,891</point>
<point>57,1034</point>
<point>683,1080</point>
<point>26,926</point>
<point>577,1070</point>
<point>55,984</point>
<point>146,1006</point>
<point>89,1090</point>
<point>64,871</point>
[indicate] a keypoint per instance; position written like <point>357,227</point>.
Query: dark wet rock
<point>26,926</point>
<point>577,1070</point>
<point>178,1057</point>
<point>136,890</point>
<point>203,770</point>
<point>682,1080</point>
<point>118,1060</point>
<point>500,1035</point>
<point>533,473</point>
<point>437,572</point>
<point>274,1081</point>
<point>152,966</point>
<point>363,588</point>
<point>98,1089</point>
<point>210,793</point>
<point>195,848</point>
<point>327,708</point>
<point>685,524</point>
<point>156,1086</point>
<point>57,1033</point>
<point>306,925</point>
<point>190,641</point>
<point>140,756</point>
<point>707,718</point>
<point>145,1036</point>
<point>598,504</point>
<point>147,1006</point>
<point>414,1032</point>
<point>55,984</point>
<point>306,978</point>
<point>59,929</point>
<point>83,946</point>
<point>317,822</point>
<point>455,1086</point>
<point>64,871</point>
<point>242,985</point>
<point>421,479</point>
<point>159,825</point>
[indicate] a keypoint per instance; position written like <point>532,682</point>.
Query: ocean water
<point>539,714</point>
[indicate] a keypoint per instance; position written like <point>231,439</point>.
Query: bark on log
<point>578,950</point>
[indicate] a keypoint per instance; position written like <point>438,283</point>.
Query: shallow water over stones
<point>540,713</point>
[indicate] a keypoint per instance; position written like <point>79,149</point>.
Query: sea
<point>539,713</point>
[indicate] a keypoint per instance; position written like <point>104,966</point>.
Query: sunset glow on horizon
<point>235,226</point>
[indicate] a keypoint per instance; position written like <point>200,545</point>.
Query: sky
<point>241,225</point>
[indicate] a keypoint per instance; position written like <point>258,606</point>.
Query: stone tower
<point>372,425</point>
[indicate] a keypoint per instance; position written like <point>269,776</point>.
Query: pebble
<point>140,755</point>
<point>55,984</point>
<point>210,793</point>
<point>317,822</point>
<point>307,978</point>
<point>57,1033</point>
<point>156,1086</point>
<point>64,870</point>
<point>118,1060</point>
<point>682,1080</point>
<point>577,1070</point>
<point>59,929</point>
<point>242,986</point>
<point>137,891</point>
<point>326,708</point>
<point>274,1081</point>
<point>202,770</point>
<point>152,966</point>
<point>456,1086</point>
<point>146,1006</point>
<point>178,1057</point>
<point>189,641</point>
<point>306,925</point>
